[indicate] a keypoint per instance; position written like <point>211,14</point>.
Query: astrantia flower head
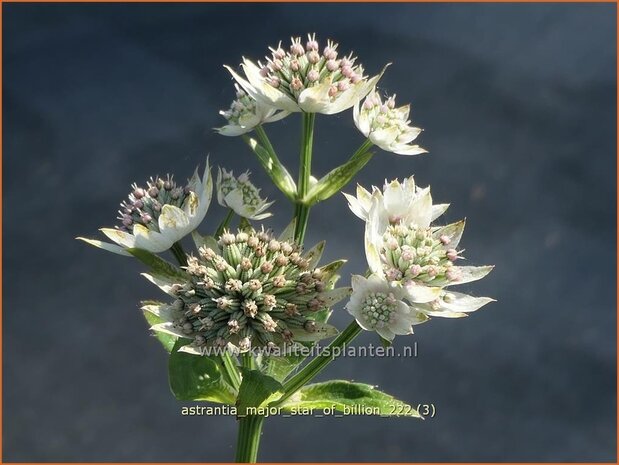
<point>397,202</point>
<point>410,256</point>
<point>386,126</point>
<point>245,113</point>
<point>306,78</point>
<point>159,214</point>
<point>241,195</point>
<point>377,306</point>
<point>250,290</point>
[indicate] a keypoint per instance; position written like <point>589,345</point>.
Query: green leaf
<point>330,270</point>
<point>287,234</point>
<point>158,266</point>
<point>197,377</point>
<point>204,241</point>
<point>314,254</point>
<point>167,340</point>
<point>330,277</point>
<point>281,367</point>
<point>256,388</point>
<point>348,397</point>
<point>274,168</point>
<point>336,179</point>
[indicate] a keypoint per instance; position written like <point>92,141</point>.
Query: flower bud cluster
<point>240,108</point>
<point>239,194</point>
<point>304,66</point>
<point>412,253</point>
<point>145,203</point>
<point>386,125</point>
<point>252,291</point>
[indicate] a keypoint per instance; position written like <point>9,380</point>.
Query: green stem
<point>264,139</point>
<point>309,371</point>
<point>248,440</point>
<point>305,171</point>
<point>367,145</point>
<point>224,224</point>
<point>231,370</point>
<point>179,253</point>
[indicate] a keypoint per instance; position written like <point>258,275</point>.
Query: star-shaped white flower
<point>378,306</point>
<point>156,217</point>
<point>241,195</point>
<point>386,126</point>
<point>302,79</point>
<point>245,113</point>
<point>397,202</point>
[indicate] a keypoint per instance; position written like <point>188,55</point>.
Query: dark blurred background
<point>518,105</point>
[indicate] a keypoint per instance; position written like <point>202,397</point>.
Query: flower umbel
<point>410,256</point>
<point>156,216</point>
<point>302,78</point>
<point>250,290</point>
<point>241,195</point>
<point>386,126</point>
<point>379,307</point>
<point>245,113</point>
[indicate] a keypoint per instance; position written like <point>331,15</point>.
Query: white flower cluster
<point>156,216</point>
<point>412,263</point>
<point>245,114</point>
<point>241,195</point>
<point>304,78</point>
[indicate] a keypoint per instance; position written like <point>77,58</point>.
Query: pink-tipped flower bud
<point>274,82</point>
<point>297,49</point>
<point>139,193</point>
<point>452,254</point>
<point>313,57</point>
<point>330,53</point>
<point>346,70</point>
<point>313,75</point>
<point>279,53</point>
<point>296,84</point>
<point>332,65</point>
<point>312,45</point>
<point>415,270</point>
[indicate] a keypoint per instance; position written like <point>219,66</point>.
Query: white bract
<point>302,79</point>
<point>397,202</point>
<point>157,216</point>
<point>386,126</point>
<point>241,195</point>
<point>378,306</point>
<point>245,113</point>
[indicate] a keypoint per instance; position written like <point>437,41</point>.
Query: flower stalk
<point>225,222</point>
<point>179,253</point>
<point>305,172</point>
<point>319,363</point>
<point>248,439</point>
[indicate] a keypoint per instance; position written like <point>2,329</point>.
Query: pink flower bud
<point>332,65</point>
<point>313,75</point>
<point>313,57</point>
<point>329,53</point>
